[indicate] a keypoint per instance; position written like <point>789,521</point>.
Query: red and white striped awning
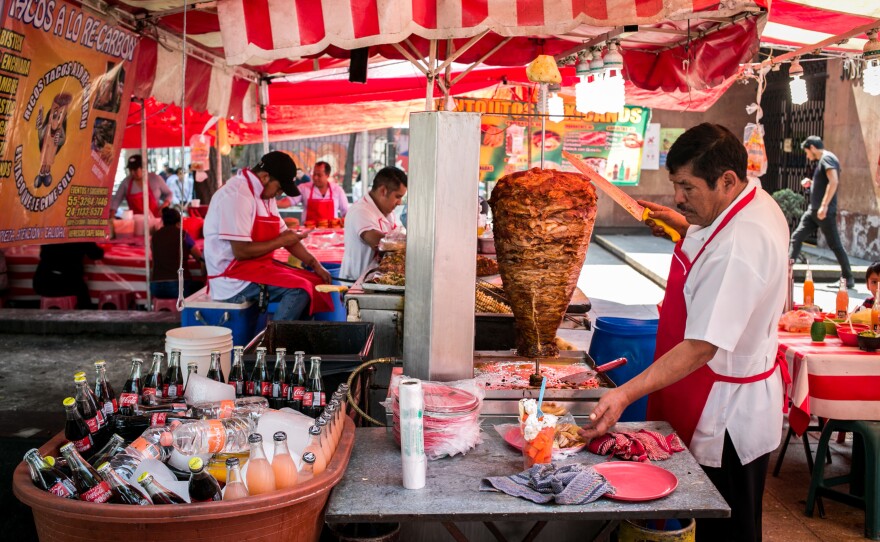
<point>795,23</point>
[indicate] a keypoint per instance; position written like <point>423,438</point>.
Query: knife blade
<point>620,197</point>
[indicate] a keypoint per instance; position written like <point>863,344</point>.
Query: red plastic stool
<point>164,305</point>
<point>65,303</point>
<point>116,299</point>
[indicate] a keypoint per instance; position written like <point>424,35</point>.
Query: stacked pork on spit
<point>543,220</point>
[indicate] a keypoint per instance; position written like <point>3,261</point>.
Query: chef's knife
<point>619,196</point>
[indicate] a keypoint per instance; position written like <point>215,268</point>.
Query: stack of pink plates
<point>449,414</point>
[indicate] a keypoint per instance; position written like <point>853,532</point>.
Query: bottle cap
<point>280,350</point>
<point>255,437</point>
<point>100,363</point>
<point>309,457</point>
<point>321,421</point>
<point>158,354</point>
<point>215,352</point>
<point>279,436</point>
<point>263,348</point>
<point>79,378</point>
<point>104,465</point>
<point>69,401</point>
<point>48,459</point>
<point>166,439</point>
<point>238,348</point>
<point>232,462</point>
<point>196,464</point>
<point>145,477</point>
<point>79,374</point>
<point>32,451</point>
<point>314,430</point>
<point>66,448</point>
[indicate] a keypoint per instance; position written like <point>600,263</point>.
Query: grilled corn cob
<point>485,303</point>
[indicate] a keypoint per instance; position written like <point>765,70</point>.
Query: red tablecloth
<point>830,380</point>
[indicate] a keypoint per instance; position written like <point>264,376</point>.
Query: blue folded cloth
<point>569,484</point>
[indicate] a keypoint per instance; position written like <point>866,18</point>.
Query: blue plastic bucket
<point>625,338</point>
<point>338,313</point>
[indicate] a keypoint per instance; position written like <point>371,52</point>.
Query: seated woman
<point>61,271</point>
<point>165,244</point>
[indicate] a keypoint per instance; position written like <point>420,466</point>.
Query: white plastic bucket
<point>196,344</point>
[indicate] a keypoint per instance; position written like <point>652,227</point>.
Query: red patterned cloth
<point>643,445</point>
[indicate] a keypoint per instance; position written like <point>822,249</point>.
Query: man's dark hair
<point>873,269</point>
<point>709,150</point>
<point>327,169</point>
<point>170,216</point>
<point>813,141</point>
<point>390,177</point>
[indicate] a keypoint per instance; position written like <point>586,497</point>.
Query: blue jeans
<point>293,303</point>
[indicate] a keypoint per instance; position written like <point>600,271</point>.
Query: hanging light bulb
<point>597,82</point>
<point>555,105</point>
<point>614,90</point>
<point>798,85</point>
<point>871,56</point>
<point>583,89</point>
<point>583,66</point>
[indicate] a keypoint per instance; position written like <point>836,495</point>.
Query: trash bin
<point>629,338</point>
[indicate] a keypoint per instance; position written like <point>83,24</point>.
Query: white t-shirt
<point>363,216</point>
<point>231,218</point>
<point>334,192</point>
<point>734,295</point>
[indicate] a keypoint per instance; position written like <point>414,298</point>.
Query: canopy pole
<point>365,161</point>
<point>264,118</point>
<point>145,192</point>
<point>432,75</point>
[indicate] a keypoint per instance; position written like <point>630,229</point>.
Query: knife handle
<point>666,227</point>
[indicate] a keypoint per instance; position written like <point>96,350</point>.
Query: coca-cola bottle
<point>115,445</point>
<point>280,385</point>
<point>159,493</point>
<point>49,478</point>
<point>259,383</point>
<point>172,386</point>
<point>202,486</point>
<point>314,399</point>
<point>88,409</point>
<point>236,374</point>
<point>104,392</point>
<point>297,381</point>
<point>76,430</point>
<point>88,482</point>
<point>131,391</point>
<point>215,372</point>
<point>192,368</point>
<point>123,492</point>
<point>152,391</point>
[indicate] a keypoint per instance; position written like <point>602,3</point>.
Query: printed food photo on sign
<point>111,85</point>
<point>493,136</point>
<point>103,135</point>
<point>51,135</point>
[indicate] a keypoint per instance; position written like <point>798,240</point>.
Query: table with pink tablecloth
<point>830,380</point>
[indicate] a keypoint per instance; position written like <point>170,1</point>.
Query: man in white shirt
<point>321,198</point>
<point>715,376</point>
<point>370,219</point>
<point>243,230</point>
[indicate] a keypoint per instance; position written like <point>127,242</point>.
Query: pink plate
<point>515,439</point>
<point>637,481</point>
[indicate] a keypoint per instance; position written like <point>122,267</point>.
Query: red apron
<point>136,201</point>
<point>682,403</point>
<point>266,270</point>
<point>320,209</point>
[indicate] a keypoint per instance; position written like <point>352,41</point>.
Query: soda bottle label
<point>128,399</point>
<point>149,394</point>
<point>99,493</point>
<point>250,388</point>
<point>115,405</point>
<point>266,389</point>
<point>178,407</point>
<point>62,489</point>
<point>285,390</point>
<point>239,387</point>
<point>307,399</point>
<point>102,421</point>
<point>169,390</point>
<point>84,444</point>
<point>93,424</point>
<point>276,389</point>
<point>298,392</point>
<point>109,408</point>
<point>322,397</point>
<point>158,419</point>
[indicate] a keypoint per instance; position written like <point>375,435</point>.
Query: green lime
<point>817,332</point>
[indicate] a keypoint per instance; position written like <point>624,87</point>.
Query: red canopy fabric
<point>803,22</point>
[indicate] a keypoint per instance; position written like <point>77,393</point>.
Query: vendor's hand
<point>606,413</point>
<point>673,218</point>
<point>289,238</point>
<point>323,273</point>
<point>822,213</point>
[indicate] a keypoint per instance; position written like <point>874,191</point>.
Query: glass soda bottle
<point>202,486</point>
<point>260,476</point>
<point>172,386</point>
<point>314,398</point>
<point>297,381</point>
<point>246,407</point>
<point>215,372</point>
<point>326,447</point>
<point>88,482</point>
<point>236,373</point>
<point>123,492</point>
<point>192,368</point>
<point>49,478</point>
<point>314,446</point>
<point>308,466</point>
<point>159,494</point>
<point>115,445</point>
<point>282,463</point>
<point>235,488</point>
<point>88,409</point>
<point>104,392</point>
<point>280,385</point>
<point>75,428</point>
<point>131,391</point>
<point>809,289</point>
<point>153,383</point>
<point>842,299</point>
<point>259,383</point>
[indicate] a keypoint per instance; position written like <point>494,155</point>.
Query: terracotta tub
<point>295,515</point>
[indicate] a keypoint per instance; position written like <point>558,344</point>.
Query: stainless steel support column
<point>438,332</point>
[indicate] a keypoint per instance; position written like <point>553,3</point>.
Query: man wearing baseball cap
<point>131,190</point>
<point>242,231</point>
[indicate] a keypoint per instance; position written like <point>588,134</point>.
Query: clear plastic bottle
<point>282,463</point>
<point>308,466</point>
<point>842,302</point>
<point>154,443</point>
<point>314,446</point>
<point>235,488</point>
<point>250,407</point>
<point>260,476</point>
<point>236,373</point>
<point>159,494</point>
<point>215,372</point>
<point>211,436</point>
<point>809,289</point>
<point>123,492</point>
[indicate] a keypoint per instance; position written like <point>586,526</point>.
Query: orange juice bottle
<point>842,300</point>
<point>260,476</point>
<point>314,446</point>
<point>326,444</point>
<point>282,464</point>
<point>809,289</point>
<point>308,466</point>
<point>235,488</point>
